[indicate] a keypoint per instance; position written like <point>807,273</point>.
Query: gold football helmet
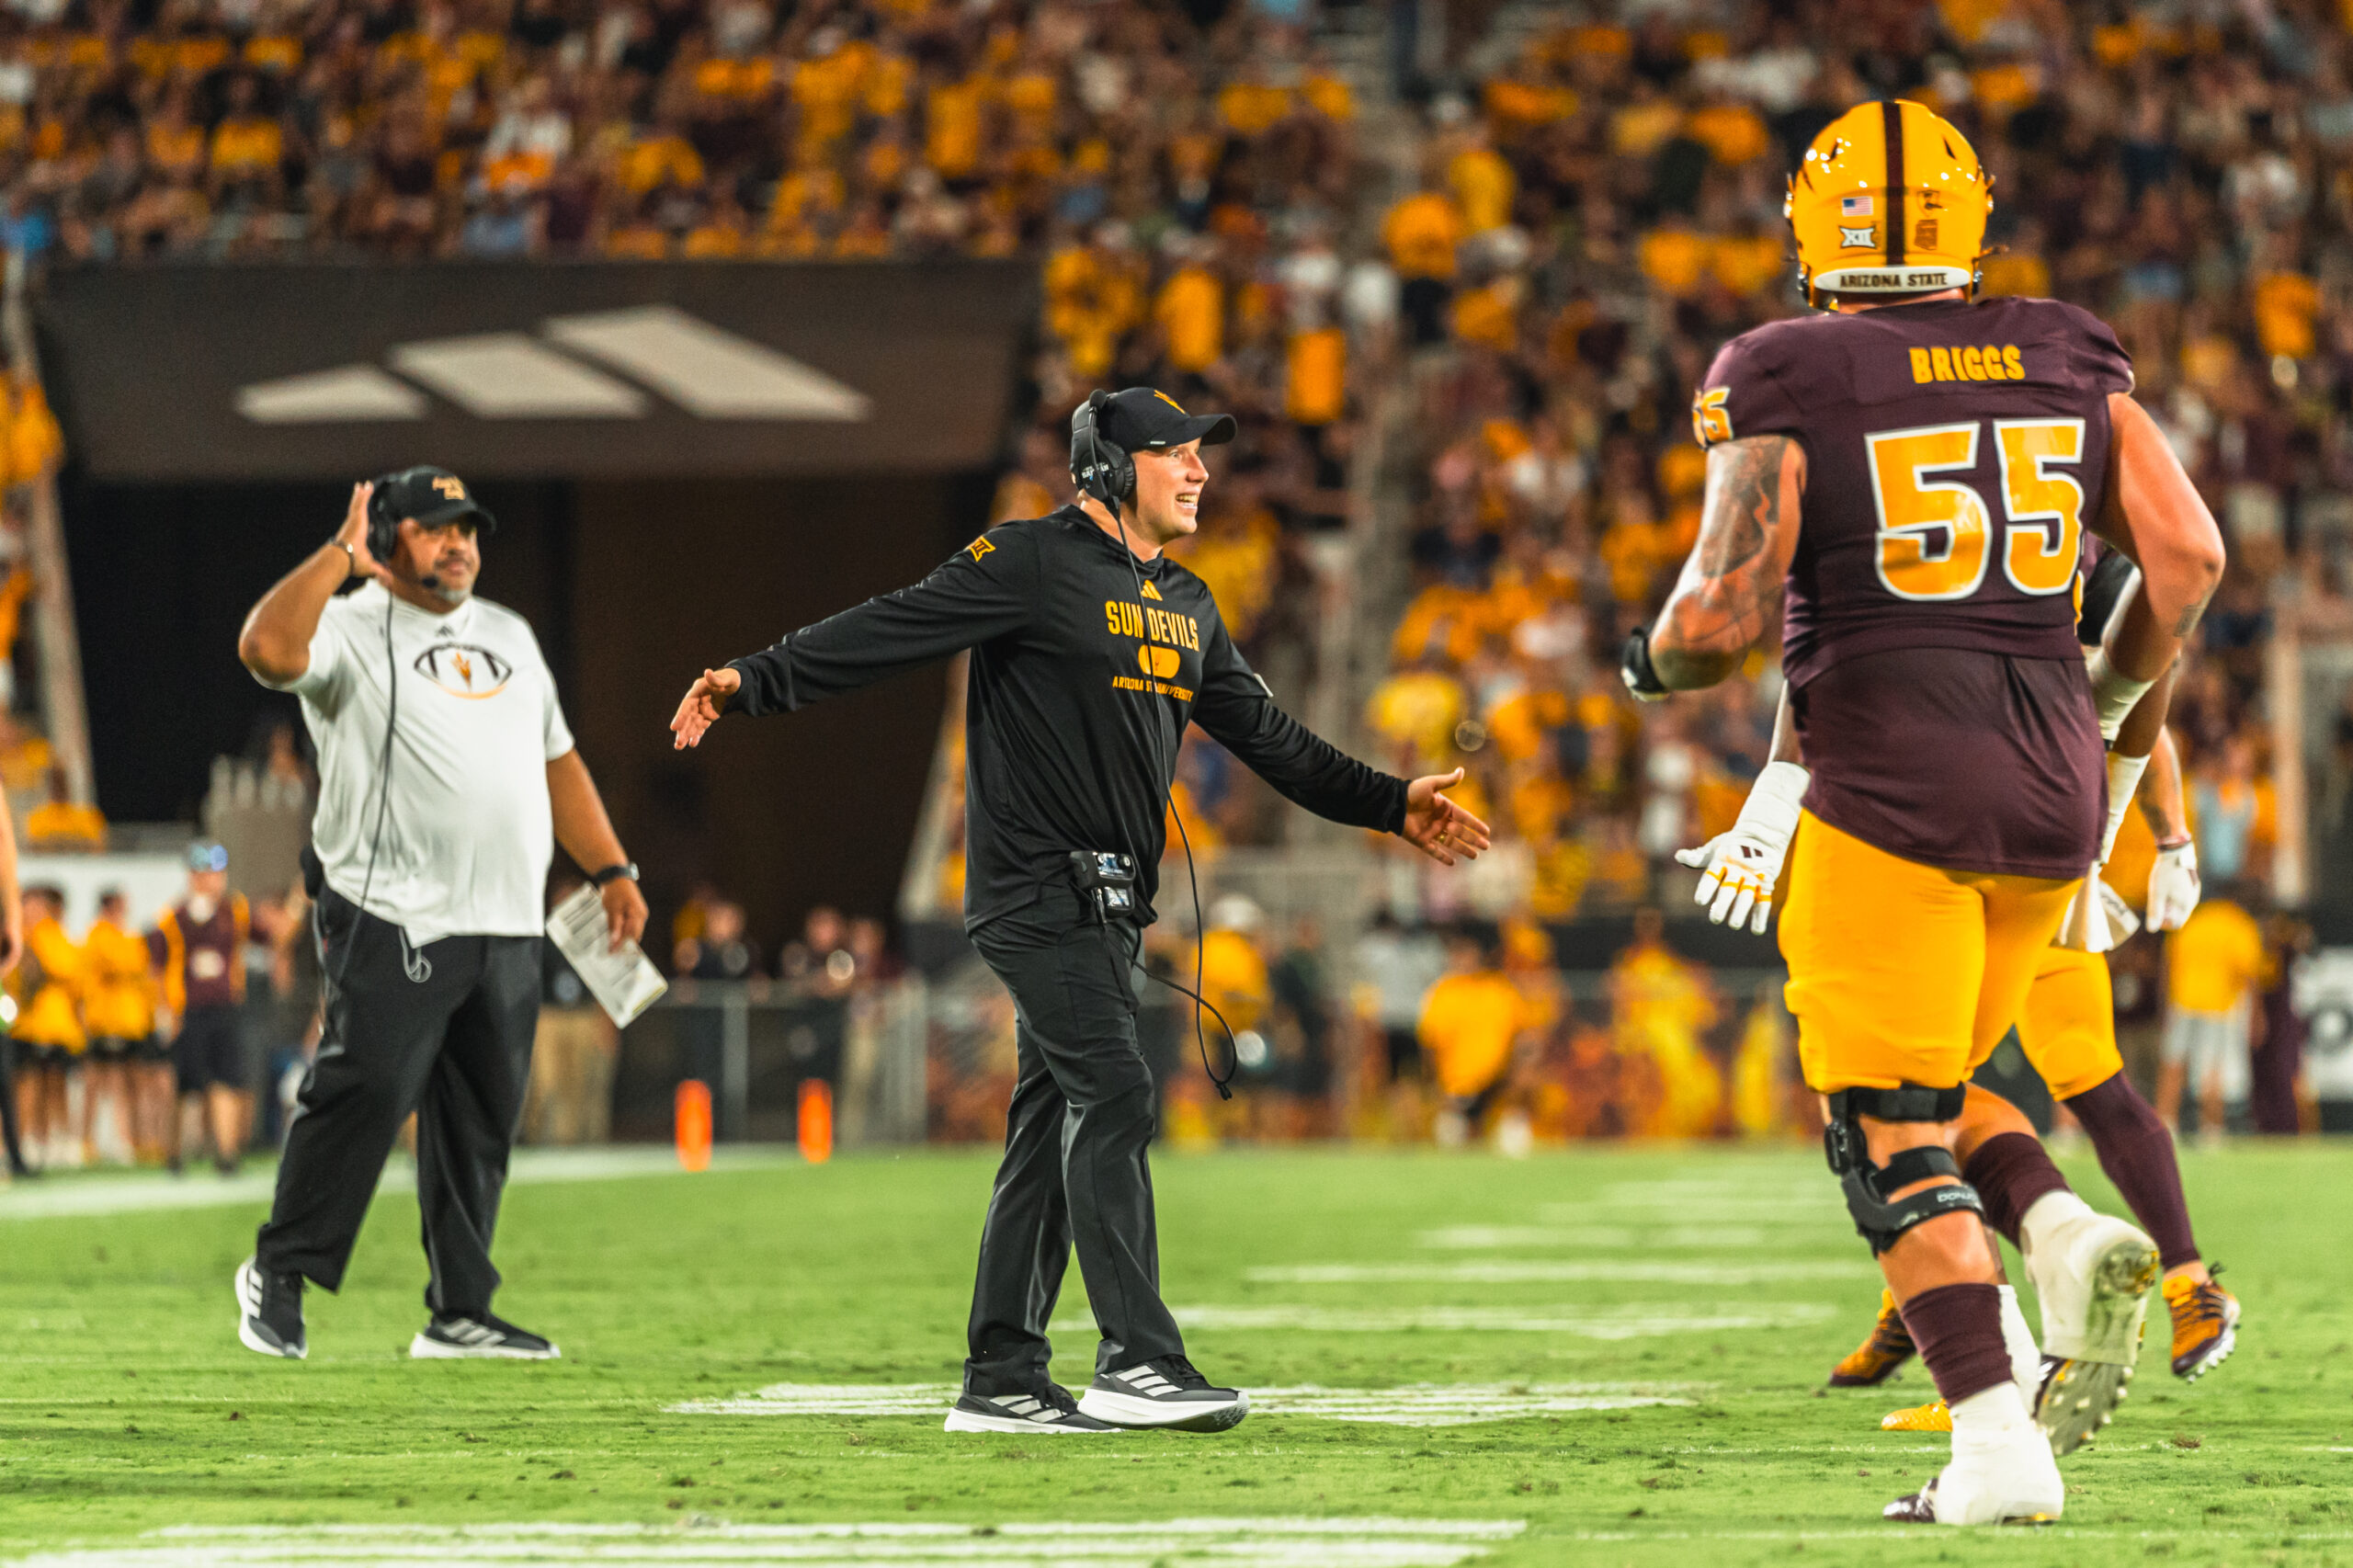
<point>1889,199</point>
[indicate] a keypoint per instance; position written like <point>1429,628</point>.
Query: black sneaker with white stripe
<point>269,1313</point>
<point>479,1334</point>
<point>1165,1393</point>
<point>1050,1410</point>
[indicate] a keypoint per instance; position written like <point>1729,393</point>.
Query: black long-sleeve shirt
<point>1078,695</point>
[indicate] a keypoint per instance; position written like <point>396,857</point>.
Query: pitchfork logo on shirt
<point>465,669</point>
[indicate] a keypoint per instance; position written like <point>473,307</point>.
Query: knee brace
<point>1877,1221</point>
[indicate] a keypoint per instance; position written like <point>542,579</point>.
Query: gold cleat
<point>1876,1358</point>
<point>2205,1325</point>
<point>1932,1416</point>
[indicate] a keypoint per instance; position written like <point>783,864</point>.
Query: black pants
<point>1075,1168</point>
<point>452,1044</point>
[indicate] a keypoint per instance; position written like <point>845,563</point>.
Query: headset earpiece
<point>1102,470</point>
<point>383,529</point>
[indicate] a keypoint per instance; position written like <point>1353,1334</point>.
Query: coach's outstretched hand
<point>704,702</point>
<point>1435,825</point>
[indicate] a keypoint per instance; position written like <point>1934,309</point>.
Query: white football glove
<point>2097,919</point>
<point>2173,887</point>
<point>1743,865</point>
<point>2123,782</point>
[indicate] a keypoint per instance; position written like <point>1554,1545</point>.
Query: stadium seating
<point>1502,275</point>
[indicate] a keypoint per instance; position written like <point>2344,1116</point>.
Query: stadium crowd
<point>733,129</point>
<point>1526,315</point>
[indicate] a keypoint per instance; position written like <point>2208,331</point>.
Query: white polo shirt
<point>468,833</point>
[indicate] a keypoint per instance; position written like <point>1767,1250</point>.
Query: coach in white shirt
<point>446,775</point>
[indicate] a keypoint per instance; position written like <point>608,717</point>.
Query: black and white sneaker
<point>482,1335</point>
<point>1167,1393</point>
<point>1051,1410</point>
<point>269,1313</point>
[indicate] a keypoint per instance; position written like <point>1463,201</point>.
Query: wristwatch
<point>614,873</point>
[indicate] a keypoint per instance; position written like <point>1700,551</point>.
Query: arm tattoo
<point>1731,587</point>
<point>2186,622</point>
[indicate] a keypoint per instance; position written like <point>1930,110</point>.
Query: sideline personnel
<point>444,764</point>
<point>1091,652</point>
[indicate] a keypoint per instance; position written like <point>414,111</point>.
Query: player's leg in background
<point>152,1093</point>
<point>2231,1072</point>
<point>105,1104</point>
<point>2173,1066</point>
<point>1886,960</point>
<point>32,1068</point>
<point>61,1088</point>
<point>228,1114</point>
<point>2092,1272</point>
<point>1407,1074</point>
<point>183,1127</point>
<point>2069,1033</point>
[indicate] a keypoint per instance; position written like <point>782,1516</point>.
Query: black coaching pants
<point>444,1030</point>
<point>1075,1168</point>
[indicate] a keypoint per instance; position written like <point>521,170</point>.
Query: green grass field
<point>1566,1291</point>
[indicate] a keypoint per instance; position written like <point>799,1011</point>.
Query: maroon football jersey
<point>1953,454</point>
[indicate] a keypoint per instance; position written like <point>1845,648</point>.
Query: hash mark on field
<point>1551,1273</point>
<point>1413,1405</point>
<point>1230,1543</point>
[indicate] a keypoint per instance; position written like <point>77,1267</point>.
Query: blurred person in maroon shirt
<point>200,946</point>
<point>2278,1057</point>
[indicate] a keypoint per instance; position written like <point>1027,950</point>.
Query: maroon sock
<point>1959,1331</point>
<point>2136,1152</point>
<point>2011,1170</point>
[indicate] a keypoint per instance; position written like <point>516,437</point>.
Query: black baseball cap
<point>431,496</point>
<point>1140,419</point>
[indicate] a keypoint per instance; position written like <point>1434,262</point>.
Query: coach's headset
<point>383,544</point>
<point>1106,471</point>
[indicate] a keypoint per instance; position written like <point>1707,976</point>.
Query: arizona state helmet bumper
<point>1892,279</point>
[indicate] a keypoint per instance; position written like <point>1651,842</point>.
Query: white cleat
<point>2093,1273</point>
<point>2005,1477</point>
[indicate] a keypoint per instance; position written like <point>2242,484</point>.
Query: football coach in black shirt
<point>1091,652</point>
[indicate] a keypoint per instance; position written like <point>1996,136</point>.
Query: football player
<point>1907,476</point>
<point>2068,1030</point>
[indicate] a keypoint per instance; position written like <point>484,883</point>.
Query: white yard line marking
<point>1755,1211</point>
<point>1630,1321</point>
<point>1457,1404</point>
<point>1552,1273</point>
<point>1775,1185</point>
<point>1597,1238</point>
<point>1411,1404</point>
<point>828,1398</point>
<point>107,1194</point>
<point>2060,1531</point>
<point>1230,1543</point>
